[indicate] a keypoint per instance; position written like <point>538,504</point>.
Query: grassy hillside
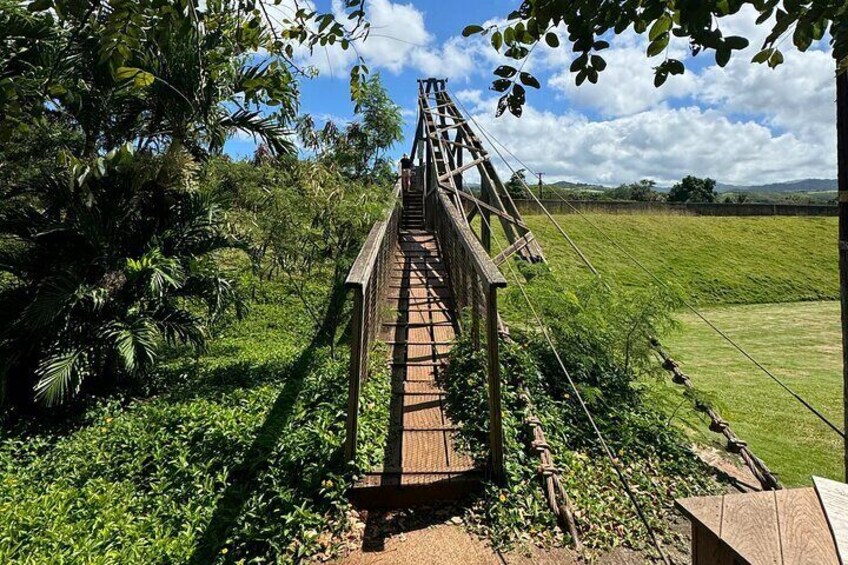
<point>800,343</point>
<point>712,260</point>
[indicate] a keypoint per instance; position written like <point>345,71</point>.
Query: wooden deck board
<point>833,497</point>
<point>774,527</point>
<point>801,527</point>
<point>422,453</point>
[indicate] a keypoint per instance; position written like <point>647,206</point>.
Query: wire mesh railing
<point>474,280</point>
<point>369,281</point>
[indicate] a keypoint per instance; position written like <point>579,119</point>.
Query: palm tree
<point>102,272</point>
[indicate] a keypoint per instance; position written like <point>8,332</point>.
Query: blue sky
<point>744,124</point>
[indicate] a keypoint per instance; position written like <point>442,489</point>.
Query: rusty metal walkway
<point>421,461</point>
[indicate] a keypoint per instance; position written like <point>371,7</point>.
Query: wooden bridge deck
<point>421,463</point>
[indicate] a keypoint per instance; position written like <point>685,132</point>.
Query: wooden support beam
<point>492,209</point>
<point>516,246</point>
<point>461,169</point>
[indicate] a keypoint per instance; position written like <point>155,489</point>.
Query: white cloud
<point>742,124</point>
<point>664,144</point>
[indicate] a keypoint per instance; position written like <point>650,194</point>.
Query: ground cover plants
<point>590,324</point>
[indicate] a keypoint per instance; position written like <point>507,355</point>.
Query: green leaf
<point>529,80</point>
<point>472,30</point>
<point>776,59</point>
<point>722,56</point>
<point>505,71</point>
<point>141,79</point>
<point>736,42</point>
<point>658,46</point>
<point>40,5</point>
<point>552,40</point>
<point>762,56</point>
<point>599,63</point>
<point>661,26</point>
<point>497,40</point>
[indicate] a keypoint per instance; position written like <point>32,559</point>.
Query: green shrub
<point>235,455</point>
<point>590,326</point>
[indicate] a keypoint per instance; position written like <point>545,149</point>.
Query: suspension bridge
<point>429,272</point>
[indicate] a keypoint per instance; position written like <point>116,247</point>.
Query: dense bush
<point>101,268</point>
<point>600,333</point>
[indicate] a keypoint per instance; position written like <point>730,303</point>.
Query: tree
<point>642,191</point>
<point>591,25</point>
<point>516,186</point>
<point>359,150</point>
<point>693,189</point>
<point>107,245</point>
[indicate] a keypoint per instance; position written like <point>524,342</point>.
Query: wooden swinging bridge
<point>417,271</point>
<point>424,275</point>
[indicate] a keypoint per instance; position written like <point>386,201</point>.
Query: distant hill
<point>803,185</point>
<point>564,184</point>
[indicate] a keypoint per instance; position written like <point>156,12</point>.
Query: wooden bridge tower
<point>445,136</point>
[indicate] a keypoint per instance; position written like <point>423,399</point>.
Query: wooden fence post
<point>357,345</point>
<point>842,163</point>
<point>496,440</point>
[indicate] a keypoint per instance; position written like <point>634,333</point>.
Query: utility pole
<point>541,185</point>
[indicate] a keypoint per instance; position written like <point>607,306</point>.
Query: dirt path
<point>438,537</point>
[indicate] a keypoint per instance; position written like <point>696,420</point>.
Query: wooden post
<point>486,217</point>
<point>357,344</point>
<point>459,159</point>
<point>496,441</point>
<point>842,164</point>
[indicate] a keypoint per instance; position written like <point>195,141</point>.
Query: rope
<point>763,474</point>
<point>618,470</point>
<point>662,283</point>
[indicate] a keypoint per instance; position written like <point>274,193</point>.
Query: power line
<point>662,283</point>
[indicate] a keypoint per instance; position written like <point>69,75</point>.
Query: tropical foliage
<point>601,333</point>
<point>693,189</point>
<point>590,26</point>
<point>359,149</point>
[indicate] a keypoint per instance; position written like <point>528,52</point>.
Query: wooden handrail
<point>368,279</point>
<point>483,264</point>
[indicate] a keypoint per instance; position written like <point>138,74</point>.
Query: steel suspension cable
<point>662,283</point>
<point>608,452</point>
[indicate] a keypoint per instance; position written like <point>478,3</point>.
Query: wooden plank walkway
<point>421,463</point>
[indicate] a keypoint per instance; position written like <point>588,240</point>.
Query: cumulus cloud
<point>741,124</point>
<point>664,144</point>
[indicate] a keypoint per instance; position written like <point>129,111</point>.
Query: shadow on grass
<point>245,476</point>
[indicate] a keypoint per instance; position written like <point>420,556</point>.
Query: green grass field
<point>800,344</point>
<point>770,283</point>
<point>713,260</point>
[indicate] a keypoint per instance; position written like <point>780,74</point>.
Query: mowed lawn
<point>801,344</point>
<point>770,283</point>
<point>712,260</point>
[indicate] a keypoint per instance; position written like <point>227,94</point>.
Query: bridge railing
<point>368,279</point>
<point>474,279</point>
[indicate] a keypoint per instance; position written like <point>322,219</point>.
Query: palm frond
<point>135,342</point>
<point>61,375</point>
